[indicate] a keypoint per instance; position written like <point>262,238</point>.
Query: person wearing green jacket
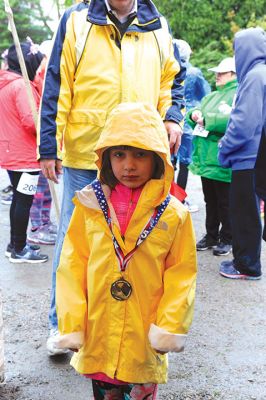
<point>209,123</point>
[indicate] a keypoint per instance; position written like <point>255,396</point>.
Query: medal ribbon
<point>124,259</point>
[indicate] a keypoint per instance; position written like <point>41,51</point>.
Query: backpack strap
<point>82,29</point>
<point>162,38</point>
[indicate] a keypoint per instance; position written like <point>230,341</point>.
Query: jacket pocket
<point>90,116</point>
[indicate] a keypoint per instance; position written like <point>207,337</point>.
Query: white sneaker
<point>52,349</point>
<point>191,207</point>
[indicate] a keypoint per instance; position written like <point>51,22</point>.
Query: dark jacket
<point>238,148</point>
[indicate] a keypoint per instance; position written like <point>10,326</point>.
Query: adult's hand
<point>197,117</point>
<point>51,169</point>
<point>174,132</point>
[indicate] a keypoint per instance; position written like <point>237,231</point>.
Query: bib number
<point>200,131</point>
<point>28,184</point>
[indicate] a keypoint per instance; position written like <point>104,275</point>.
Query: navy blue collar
<point>148,17</point>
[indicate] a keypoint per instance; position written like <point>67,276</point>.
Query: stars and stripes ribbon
<point>124,259</point>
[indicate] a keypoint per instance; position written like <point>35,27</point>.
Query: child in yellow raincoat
<point>126,279</point>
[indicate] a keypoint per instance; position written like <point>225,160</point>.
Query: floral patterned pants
<point>108,391</point>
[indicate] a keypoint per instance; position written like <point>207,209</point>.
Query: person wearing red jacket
<point>18,149</point>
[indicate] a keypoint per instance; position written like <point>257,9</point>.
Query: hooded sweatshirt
<point>238,148</point>
<point>17,128</point>
<point>120,338</point>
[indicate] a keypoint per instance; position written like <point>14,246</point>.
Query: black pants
<point>216,196</point>
<point>260,179</point>
<point>264,230</point>
<point>182,176</point>
<point>19,212</point>
<point>246,222</point>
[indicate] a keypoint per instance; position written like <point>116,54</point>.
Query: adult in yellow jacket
<point>126,340</point>
<point>104,53</point>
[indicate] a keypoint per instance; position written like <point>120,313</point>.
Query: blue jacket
<point>238,148</point>
<point>196,87</point>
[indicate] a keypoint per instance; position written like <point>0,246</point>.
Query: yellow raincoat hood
<point>138,125</point>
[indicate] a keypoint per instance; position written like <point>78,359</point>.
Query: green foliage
<point>29,20</point>
<point>257,22</point>
<point>202,21</point>
<point>209,26</point>
<point>68,3</point>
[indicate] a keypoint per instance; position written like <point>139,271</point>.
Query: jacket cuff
<point>52,156</point>
<point>174,115</point>
<point>73,340</point>
<point>162,340</point>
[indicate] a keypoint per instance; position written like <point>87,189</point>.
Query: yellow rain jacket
<point>92,69</point>
<point>120,338</point>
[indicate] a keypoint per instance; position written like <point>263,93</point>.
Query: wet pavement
<point>225,355</point>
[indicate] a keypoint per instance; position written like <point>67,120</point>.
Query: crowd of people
<point>115,128</point>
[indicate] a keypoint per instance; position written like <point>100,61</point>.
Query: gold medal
<point>121,289</point>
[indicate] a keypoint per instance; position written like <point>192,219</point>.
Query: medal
<point>121,289</point>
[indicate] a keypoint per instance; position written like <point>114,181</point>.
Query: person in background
<point>196,87</point>
<point>45,48</point>
<point>7,192</point>
<point>104,52</point>
<point>43,230</point>
<point>243,149</point>
<point>118,283</point>
<point>209,123</point>
<point>18,149</point>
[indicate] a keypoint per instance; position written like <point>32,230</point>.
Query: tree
<point>61,5</point>
<point>30,21</point>
<point>202,21</point>
<point>209,26</point>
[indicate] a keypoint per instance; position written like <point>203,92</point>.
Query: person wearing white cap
<point>226,65</point>
<point>209,122</point>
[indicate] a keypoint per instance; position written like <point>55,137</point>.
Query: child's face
<point>133,167</point>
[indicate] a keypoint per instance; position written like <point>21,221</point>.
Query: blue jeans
<point>74,179</point>
<point>186,148</point>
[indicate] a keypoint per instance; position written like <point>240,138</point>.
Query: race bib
<point>28,184</point>
<point>200,131</point>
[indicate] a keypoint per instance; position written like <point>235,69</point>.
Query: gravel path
<point>225,356</point>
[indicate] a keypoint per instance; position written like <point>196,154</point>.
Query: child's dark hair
<point>107,176</point>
